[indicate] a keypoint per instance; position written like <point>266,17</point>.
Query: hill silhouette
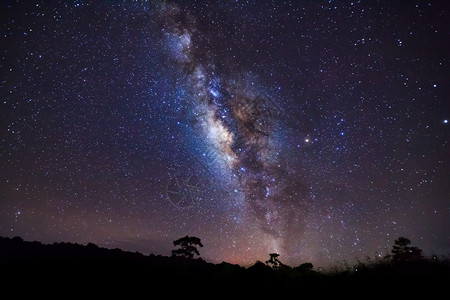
<point>75,267</point>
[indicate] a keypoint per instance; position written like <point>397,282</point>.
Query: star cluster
<point>317,130</point>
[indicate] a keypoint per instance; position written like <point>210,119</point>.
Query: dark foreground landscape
<point>33,267</point>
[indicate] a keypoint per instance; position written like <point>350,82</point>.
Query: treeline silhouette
<point>69,265</point>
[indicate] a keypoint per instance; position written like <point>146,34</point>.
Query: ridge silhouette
<point>66,265</point>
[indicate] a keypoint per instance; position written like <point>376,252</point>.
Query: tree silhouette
<point>187,246</point>
<point>402,252</point>
<point>273,261</point>
<point>305,268</point>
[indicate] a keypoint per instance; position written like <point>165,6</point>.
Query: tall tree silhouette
<point>187,246</point>
<point>402,252</point>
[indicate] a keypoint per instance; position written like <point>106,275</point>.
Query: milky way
<point>314,129</point>
<point>237,121</point>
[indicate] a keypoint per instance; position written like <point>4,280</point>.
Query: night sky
<point>315,129</point>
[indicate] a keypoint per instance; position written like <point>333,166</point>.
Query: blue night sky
<point>315,129</point>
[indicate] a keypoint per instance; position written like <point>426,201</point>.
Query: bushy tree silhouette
<point>402,252</point>
<point>187,246</point>
<point>305,268</point>
<point>273,262</point>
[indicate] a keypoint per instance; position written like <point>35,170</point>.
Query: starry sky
<point>314,129</point>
